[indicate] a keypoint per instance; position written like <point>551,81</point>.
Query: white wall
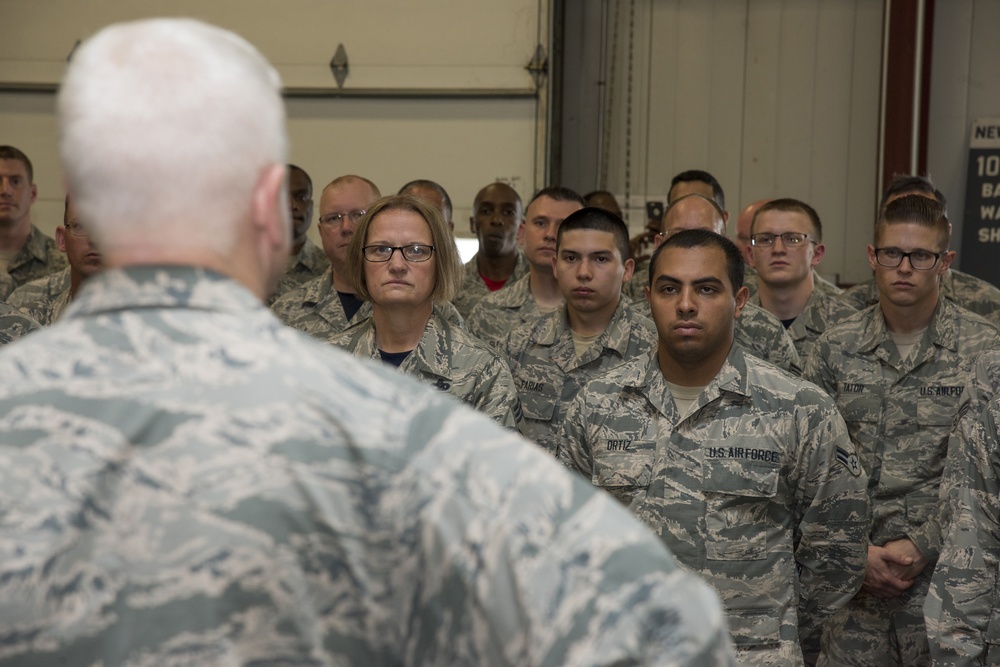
<point>773,97</point>
<point>464,110</point>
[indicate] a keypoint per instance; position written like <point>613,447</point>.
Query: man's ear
<point>61,238</point>
<point>269,205</point>
<point>742,296</point>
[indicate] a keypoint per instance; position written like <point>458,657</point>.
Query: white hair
<point>165,128</point>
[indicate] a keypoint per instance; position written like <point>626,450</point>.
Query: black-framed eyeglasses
<point>415,252</point>
<point>921,260</point>
<point>76,229</point>
<point>337,218</point>
<point>789,239</point>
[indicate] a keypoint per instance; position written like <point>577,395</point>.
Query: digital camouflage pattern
<point>899,414</point>
<point>314,308</point>
<point>548,374</point>
<point>501,312</point>
<point>13,325</point>
<point>449,359</point>
<point>966,290</point>
<point>758,332</point>
<point>310,262</point>
<point>44,299</point>
<point>185,481</point>
<point>38,258</point>
<point>473,289</point>
<point>822,311</point>
<point>965,588</point>
<point>757,489</point>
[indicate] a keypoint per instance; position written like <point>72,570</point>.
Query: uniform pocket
<point>754,627</point>
<point>623,467</point>
<point>738,493</point>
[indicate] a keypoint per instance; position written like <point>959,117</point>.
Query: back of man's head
<point>597,219</point>
<point>166,127</point>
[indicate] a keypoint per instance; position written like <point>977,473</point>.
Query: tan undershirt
<point>684,397</point>
<point>907,343</point>
<point>583,343</point>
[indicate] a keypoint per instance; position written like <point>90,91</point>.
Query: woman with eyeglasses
<point>403,261</point>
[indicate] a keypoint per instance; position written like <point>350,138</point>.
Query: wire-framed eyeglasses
<point>789,239</point>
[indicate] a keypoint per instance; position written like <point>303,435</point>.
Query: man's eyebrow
<point>707,280</point>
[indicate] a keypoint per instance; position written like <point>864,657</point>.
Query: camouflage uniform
<point>966,290</point>
<point>473,289</point>
<point>963,597</point>
<point>820,313</point>
<point>761,334</point>
<point>14,324</point>
<point>451,360</point>
<point>503,311</point>
<point>314,308</point>
<point>184,481</point>
<point>309,263</point>
<point>757,489</point>
<point>38,258</point>
<point>899,414</point>
<point>44,299</point>
<point>548,374</point>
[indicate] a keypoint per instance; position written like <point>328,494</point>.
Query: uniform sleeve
<point>964,587</point>
<point>833,516</point>
<point>785,355</point>
<point>574,446</point>
<point>495,394</point>
<point>816,368</point>
<point>508,559</point>
<point>980,388</point>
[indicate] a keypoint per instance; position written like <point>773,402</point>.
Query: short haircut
<point>295,167</point>
<point>789,205</point>
<point>11,153</point>
<point>917,210</point>
<point>599,220</point>
<point>152,108</point>
<point>714,204</point>
<point>699,176</point>
<point>447,264</point>
<point>598,193</point>
<point>349,178</point>
<point>430,185</point>
<point>911,183</point>
<point>558,193</point>
<point>702,238</point>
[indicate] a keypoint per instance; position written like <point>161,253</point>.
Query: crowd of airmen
<point>824,458</point>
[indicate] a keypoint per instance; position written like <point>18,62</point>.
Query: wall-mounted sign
<point>981,227</point>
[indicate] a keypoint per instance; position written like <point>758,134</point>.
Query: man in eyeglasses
<point>328,304</point>
<point>897,371</point>
<point>786,243</point>
<point>46,298</point>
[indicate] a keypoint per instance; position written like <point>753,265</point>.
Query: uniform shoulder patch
<point>850,461</point>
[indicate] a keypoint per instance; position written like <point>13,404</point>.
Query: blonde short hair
<point>447,265</point>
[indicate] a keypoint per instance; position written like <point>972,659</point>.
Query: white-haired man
<point>186,481</point>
